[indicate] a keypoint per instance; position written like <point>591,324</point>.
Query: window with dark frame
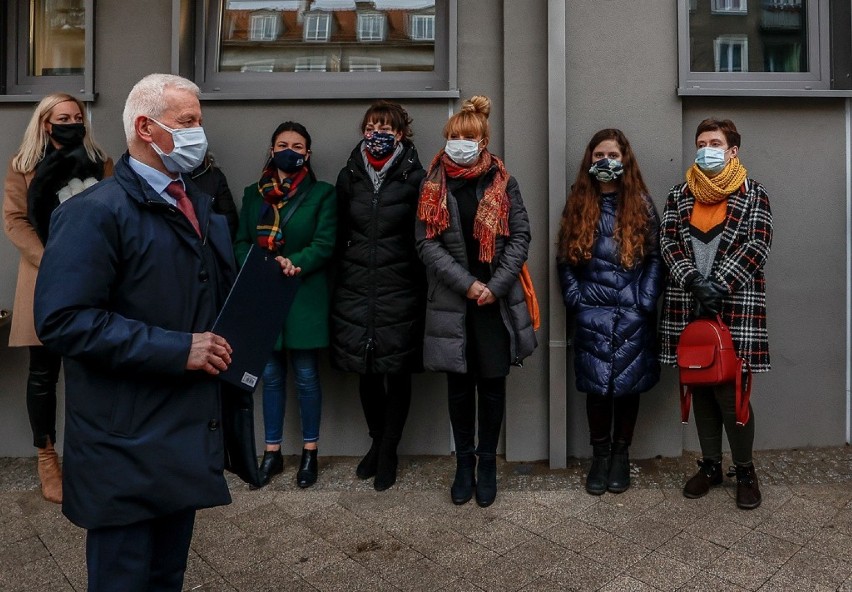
<point>763,47</point>
<point>48,47</point>
<point>334,48</point>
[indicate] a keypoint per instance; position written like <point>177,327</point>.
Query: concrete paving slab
<point>543,533</point>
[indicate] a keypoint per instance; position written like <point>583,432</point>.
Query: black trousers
<point>715,407</point>
<point>612,419</point>
<point>385,399</point>
<point>462,390</point>
<point>41,394</point>
<point>147,556</point>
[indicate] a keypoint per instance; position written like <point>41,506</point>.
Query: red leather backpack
<point>706,357</point>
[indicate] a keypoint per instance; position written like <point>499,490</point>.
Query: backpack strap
<point>743,393</point>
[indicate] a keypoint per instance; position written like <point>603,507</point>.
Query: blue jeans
<point>305,363</point>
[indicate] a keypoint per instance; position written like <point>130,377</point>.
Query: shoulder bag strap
<point>743,393</point>
<point>297,201</point>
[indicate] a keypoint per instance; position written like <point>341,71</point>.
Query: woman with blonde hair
<point>58,158</point>
<point>611,275</point>
<point>473,235</point>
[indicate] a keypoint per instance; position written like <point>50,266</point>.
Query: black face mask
<point>68,134</point>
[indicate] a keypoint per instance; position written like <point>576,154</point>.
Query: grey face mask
<point>190,148</point>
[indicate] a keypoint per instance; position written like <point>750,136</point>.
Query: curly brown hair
<point>582,208</point>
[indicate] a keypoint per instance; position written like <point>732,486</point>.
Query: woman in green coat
<point>304,246</point>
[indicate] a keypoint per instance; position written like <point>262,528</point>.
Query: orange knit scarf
<point>711,190</point>
<point>492,214</point>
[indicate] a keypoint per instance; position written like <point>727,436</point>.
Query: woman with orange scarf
<point>473,236</point>
<point>715,238</point>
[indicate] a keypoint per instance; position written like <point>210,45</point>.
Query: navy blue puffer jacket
<point>614,311</point>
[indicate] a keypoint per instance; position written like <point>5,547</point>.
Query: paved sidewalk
<point>543,533</point>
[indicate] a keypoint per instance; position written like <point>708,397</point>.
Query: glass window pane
<point>57,38</point>
<point>773,32</point>
<point>327,36</point>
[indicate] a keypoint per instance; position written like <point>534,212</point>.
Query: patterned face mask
<point>380,144</point>
<point>606,170</point>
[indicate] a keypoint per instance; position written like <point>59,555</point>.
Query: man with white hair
<point>133,275</point>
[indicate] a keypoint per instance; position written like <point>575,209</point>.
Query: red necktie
<point>175,189</point>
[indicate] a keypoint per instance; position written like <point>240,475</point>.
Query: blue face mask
<point>710,160</point>
<point>190,148</point>
<point>288,160</point>
<point>606,170</point>
<point>380,144</point>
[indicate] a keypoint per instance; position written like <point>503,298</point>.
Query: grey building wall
<point>626,78</point>
<point>239,137</point>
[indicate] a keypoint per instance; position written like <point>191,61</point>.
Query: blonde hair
<point>472,120</point>
<point>36,139</point>
<point>147,97</point>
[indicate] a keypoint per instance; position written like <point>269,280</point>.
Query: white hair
<point>147,97</point>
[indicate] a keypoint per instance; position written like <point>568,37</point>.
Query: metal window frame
<point>815,82</point>
<point>196,26</point>
<point>18,84</point>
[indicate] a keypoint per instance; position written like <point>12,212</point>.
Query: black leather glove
<point>708,295</point>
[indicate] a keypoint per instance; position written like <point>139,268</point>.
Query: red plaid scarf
<point>276,194</point>
<point>492,214</point>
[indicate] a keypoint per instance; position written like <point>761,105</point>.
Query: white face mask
<point>462,152</point>
<point>190,148</point>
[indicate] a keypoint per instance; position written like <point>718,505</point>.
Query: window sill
<point>330,94</point>
<point>36,97</point>
<point>764,92</point>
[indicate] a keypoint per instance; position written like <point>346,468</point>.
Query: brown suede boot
<point>50,474</point>
<point>748,491</point>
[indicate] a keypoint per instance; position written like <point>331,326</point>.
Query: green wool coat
<point>309,243</point>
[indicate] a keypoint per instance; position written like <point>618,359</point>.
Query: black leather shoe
<point>386,467</point>
<point>598,478</point>
<point>462,490</point>
<point>271,464</point>
<point>486,481</point>
<point>308,468</point>
<point>369,464</point>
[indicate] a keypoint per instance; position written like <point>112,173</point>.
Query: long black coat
<point>124,282</point>
<point>614,311</point>
<point>380,289</point>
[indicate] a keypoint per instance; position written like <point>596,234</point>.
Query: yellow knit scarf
<point>711,190</point>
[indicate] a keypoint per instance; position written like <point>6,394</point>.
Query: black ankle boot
<point>708,475</point>
<point>271,464</point>
<point>387,464</point>
<point>618,480</point>
<point>463,484</point>
<point>748,492</point>
<point>598,477</point>
<point>369,464</point>
<point>308,468</point>
<point>486,480</point>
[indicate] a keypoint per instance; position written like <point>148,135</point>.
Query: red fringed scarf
<point>492,214</point>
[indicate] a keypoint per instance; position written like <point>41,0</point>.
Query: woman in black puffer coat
<point>379,298</point>
<point>611,275</point>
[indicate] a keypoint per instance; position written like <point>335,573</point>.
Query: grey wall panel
<point>626,78</point>
<point>525,152</point>
<point>796,149</point>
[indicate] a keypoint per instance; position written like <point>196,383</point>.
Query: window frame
<point>196,48</point>
<point>715,7</point>
<point>370,16</point>
<point>317,15</point>
<point>816,81</point>
<point>730,40</point>
<point>264,17</point>
<point>427,18</point>
<point>17,84</point>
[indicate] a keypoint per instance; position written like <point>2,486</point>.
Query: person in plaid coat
<point>715,238</point>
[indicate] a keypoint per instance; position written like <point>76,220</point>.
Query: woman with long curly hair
<point>611,276</point>
<point>58,158</point>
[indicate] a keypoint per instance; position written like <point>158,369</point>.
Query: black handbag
<point>238,431</point>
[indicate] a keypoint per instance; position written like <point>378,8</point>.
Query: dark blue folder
<point>253,316</point>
